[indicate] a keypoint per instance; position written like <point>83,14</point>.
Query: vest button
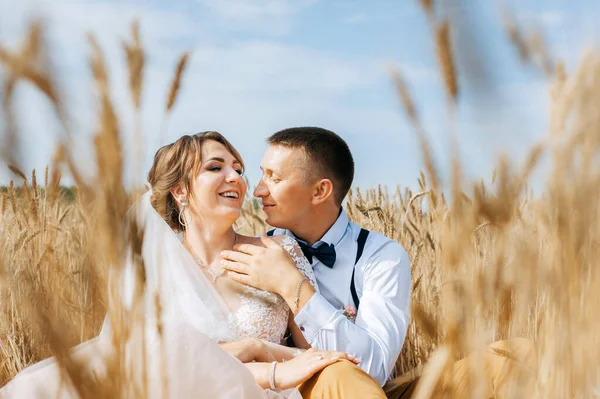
<point>301,328</point>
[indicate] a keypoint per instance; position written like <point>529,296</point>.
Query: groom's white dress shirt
<point>382,280</point>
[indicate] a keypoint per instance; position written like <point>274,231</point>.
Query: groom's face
<point>284,189</point>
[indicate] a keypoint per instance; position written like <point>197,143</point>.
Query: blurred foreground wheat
<point>488,263</point>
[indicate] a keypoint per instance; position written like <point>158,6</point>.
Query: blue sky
<point>259,66</point>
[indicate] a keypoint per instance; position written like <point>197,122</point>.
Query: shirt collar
<point>336,232</point>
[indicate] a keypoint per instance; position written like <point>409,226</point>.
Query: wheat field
<point>488,262</point>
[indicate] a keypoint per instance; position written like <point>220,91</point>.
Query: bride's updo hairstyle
<point>179,162</point>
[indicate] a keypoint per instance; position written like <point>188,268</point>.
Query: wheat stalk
<point>427,5</point>
<point>176,82</point>
<point>445,59</point>
<point>135,63</point>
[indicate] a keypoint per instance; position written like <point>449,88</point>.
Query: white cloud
<point>547,19</point>
<point>255,9</point>
<point>263,66</point>
<point>270,16</point>
<point>552,19</point>
<point>356,19</point>
<point>245,88</point>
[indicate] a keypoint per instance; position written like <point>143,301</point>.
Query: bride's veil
<point>184,292</point>
<point>192,317</point>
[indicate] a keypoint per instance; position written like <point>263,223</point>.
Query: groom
<point>307,172</point>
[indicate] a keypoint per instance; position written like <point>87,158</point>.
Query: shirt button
<point>301,328</point>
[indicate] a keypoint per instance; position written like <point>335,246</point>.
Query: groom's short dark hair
<point>328,154</point>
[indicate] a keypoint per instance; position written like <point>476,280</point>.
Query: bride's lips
<point>267,206</point>
<point>230,194</point>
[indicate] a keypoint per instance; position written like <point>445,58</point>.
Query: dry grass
<point>487,262</point>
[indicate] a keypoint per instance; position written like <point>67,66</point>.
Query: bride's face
<point>219,188</point>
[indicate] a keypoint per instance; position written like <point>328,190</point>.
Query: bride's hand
<point>294,372</point>
<point>245,350</point>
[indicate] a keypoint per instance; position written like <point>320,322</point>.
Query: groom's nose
<point>261,190</point>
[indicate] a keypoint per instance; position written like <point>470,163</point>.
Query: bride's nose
<point>233,176</point>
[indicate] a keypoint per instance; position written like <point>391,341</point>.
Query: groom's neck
<point>312,228</point>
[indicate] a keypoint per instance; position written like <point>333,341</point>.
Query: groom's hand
<point>269,269</point>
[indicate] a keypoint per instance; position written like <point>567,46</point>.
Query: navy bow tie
<point>324,252</point>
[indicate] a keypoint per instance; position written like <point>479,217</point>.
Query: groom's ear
<point>323,190</point>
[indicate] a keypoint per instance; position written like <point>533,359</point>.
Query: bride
<point>209,336</point>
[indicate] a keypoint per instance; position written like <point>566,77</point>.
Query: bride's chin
<point>233,214</point>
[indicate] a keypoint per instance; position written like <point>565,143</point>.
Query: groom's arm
<point>382,320</point>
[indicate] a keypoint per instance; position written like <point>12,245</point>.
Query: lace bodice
<point>264,314</point>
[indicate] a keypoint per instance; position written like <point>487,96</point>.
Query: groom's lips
<point>267,206</point>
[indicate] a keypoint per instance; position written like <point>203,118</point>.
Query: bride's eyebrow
<point>222,160</point>
<point>215,159</point>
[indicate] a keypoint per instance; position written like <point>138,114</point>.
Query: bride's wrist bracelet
<point>298,289</point>
<point>272,376</point>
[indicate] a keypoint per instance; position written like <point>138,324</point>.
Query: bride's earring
<point>182,220</point>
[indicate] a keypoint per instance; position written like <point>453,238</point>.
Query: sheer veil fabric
<point>193,315</point>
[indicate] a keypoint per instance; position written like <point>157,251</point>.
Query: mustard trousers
<point>505,364</point>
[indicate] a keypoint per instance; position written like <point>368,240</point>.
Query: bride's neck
<point>207,243</point>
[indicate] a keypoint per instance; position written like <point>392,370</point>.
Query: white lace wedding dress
<point>262,314</point>
<point>194,316</point>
